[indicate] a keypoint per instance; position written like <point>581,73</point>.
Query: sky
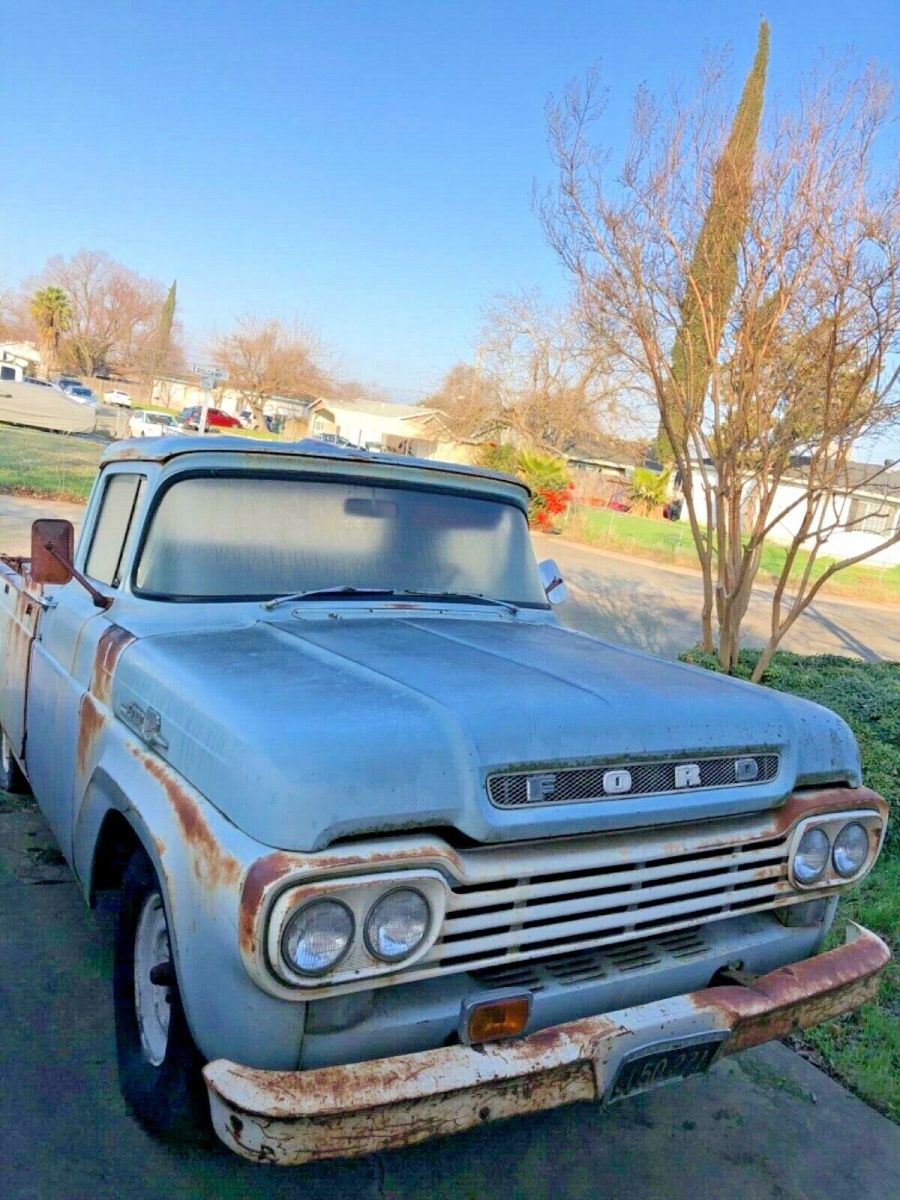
<point>364,167</point>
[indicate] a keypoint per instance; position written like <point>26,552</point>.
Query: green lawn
<point>59,466</point>
<point>56,466</point>
<point>863,1049</point>
<point>671,541</point>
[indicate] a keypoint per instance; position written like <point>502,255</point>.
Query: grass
<point>59,466</point>
<point>672,542</point>
<point>863,1048</point>
<point>54,466</point>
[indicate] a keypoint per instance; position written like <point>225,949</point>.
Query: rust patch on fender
<point>91,720</point>
<point>213,867</point>
<point>265,871</point>
<point>112,644</point>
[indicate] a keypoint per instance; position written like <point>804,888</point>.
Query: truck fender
<point>201,861</point>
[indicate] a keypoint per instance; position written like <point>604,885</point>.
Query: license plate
<point>664,1062</point>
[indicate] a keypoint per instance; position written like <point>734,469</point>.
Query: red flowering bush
<point>545,474</point>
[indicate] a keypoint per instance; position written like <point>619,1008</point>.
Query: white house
<point>18,359</point>
<point>381,425</point>
<point>862,518</point>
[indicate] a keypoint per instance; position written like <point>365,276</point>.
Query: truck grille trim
<point>505,921</point>
<point>571,785</point>
<point>587,966</point>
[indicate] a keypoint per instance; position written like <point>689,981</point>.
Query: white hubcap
<point>151,1000</point>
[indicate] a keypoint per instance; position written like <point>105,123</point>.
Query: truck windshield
<point>252,537</point>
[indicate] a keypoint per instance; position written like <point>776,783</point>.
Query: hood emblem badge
<point>147,723</point>
<point>540,787</point>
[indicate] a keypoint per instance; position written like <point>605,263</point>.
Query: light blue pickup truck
<point>393,852</point>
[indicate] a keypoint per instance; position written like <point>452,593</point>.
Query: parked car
<point>114,396</point>
<point>151,424</point>
<point>334,439</point>
<point>215,418</point>
<point>81,393</point>
<point>67,381</point>
<point>392,851</point>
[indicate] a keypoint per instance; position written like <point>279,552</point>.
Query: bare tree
<point>798,368</point>
<point>113,310</point>
<point>264,357</point>
<point>539,375</point>
<point>469,402</point>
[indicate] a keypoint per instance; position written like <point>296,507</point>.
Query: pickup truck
<point>393,852</point>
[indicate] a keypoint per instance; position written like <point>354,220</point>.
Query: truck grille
<point>535,916</point>
<point>586,966</point>
<point>614,781</point>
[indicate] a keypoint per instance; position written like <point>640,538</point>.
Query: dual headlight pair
<point>344,930</point>
<point>835,850</point>
<point>318,937</point>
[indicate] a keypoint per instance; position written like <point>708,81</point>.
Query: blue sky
<point>365,166</point>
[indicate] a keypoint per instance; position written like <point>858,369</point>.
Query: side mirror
<point>51,541</point>
<point>554,586</point>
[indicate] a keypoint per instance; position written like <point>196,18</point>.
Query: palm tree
<point>51,309</point>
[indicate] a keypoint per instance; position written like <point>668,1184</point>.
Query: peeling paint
<point>213,867</point>
<point>113,642</point>
<point>289,1117</point>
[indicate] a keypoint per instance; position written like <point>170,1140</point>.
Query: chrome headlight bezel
<point>831,825</point>
<point>359,894</point>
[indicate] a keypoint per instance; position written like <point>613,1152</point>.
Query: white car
<point>151,424</point>
<point>122,399</point>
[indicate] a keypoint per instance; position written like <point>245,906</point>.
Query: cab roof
<point>164,449</point>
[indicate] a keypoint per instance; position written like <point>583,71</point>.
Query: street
<point>764,1126</point>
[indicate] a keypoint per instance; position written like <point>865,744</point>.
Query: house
<point>601,471</point>
<point>382,425</point>
<point>18,359</point>
<point>864,510</point>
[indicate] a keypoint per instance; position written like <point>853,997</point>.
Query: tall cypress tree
<point>714,267</point>
<point>166,320</point>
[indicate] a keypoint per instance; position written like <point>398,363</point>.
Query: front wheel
<point>11,777</point>
<point>159,1065</point>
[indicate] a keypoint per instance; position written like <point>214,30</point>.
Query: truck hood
<point>304,731</point>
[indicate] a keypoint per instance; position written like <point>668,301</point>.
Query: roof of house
<point>379,408</point>
<point>882,479</point>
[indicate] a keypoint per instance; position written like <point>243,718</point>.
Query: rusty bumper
<point>292,1117</point>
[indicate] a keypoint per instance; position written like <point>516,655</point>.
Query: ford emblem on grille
<point>615,781</point>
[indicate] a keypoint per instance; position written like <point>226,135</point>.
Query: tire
<point>11,777</point>
<point>159,1065</point>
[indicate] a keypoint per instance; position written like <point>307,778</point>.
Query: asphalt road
<point>656,608</point>
<point>764,1126</point>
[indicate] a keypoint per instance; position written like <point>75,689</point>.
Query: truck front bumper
<point>290,1117</point>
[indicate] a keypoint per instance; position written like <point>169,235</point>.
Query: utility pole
<point>209,377</point>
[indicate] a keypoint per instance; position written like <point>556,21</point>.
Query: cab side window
<point>114,528</point>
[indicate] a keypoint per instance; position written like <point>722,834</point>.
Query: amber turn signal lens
<point>498,1019</point>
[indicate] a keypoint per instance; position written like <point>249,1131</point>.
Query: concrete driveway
<point>764,1126</point>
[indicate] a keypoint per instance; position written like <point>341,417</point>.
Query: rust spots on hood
<point>213,866</point>
<point>110,648</point>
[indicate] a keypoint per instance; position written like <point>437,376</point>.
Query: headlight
<point>397,924</point>
<point>812,855</point>
<point>317,937</point>
<point>851,848</point>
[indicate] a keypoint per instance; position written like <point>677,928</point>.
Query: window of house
<point>868,516</point>
<point>114,528</point>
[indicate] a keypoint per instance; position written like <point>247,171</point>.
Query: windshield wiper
<point>314,593</point>
<point>411,593</point>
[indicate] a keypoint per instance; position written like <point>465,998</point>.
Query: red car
<point>215,418</point>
